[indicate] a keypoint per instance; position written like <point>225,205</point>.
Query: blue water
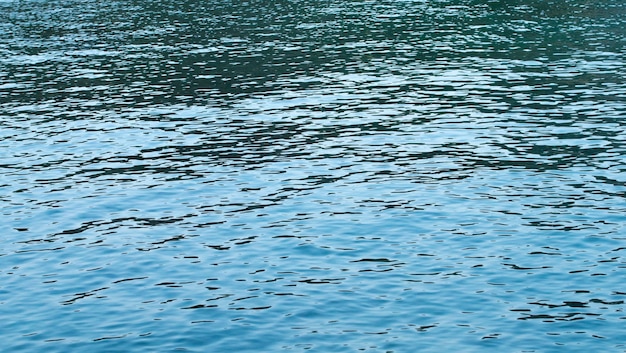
<point>326,176</point>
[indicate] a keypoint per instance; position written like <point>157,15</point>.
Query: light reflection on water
<point>312,175</point>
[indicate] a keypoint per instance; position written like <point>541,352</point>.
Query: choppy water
<point>328,176</point>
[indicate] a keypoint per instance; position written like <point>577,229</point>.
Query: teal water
<point>325,176</point>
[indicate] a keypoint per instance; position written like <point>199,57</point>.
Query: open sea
<point>312,176</point>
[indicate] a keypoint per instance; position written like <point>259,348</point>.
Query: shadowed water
<point>327,176</point>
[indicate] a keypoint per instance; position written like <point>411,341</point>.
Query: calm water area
<point>313,176</point>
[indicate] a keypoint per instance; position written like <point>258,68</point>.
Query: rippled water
<point>308,175</point>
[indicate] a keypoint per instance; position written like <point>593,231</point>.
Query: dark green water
<point>326,176</point>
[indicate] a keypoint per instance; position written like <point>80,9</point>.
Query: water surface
<point>328,176</point>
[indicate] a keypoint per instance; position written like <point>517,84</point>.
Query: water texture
<point>312,175</point>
